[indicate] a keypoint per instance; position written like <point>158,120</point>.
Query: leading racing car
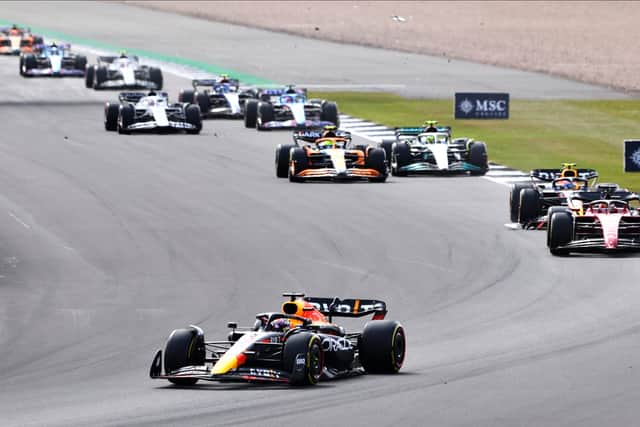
<point>123,72</point>
<point>327,154</point>
<point>15,40</point>
<point>53,61</point>
<point>139,111</point>
<point>299,345</point>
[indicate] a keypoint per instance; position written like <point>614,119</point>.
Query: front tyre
<point>155,75</point>
<point>382,346</point>
<point>283,154</point>
<point>302,356</point>
<point>376,160</point>
<point>478,158</point>
<point>329,113</point>
<point>185,347</point>
<point>298,163</point>
<point>559,232</point>
<point>251,113</point>
<point>193,117</point>
<point>89,76</point>
<point>111,116</point>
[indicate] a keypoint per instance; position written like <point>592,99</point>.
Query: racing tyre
<point>283,154</point>
<point>155,75</point>
<point>29,63</point>
<point>559,232</point>
<point>89,75</point>
<point>478,157</point>
<point>529,205</point>
<point>80,63</point>
<point>186,95</point>
<point>111,116</point>
<point>125,118</point>
<point>302,356</point>
<point>382,347</point>
<point>386,146</point>
<point>514,200</point>
<point>399,158</point>
<point>203,102</point>
<point>251,113</point>
<point>329,113</point>
<point>185,347</point>
<point>101,77</point>
<point>376,160</point>
<point>193,116</point>
<point>265,114</point>
<point>20,66</point>
<point>298,163</point>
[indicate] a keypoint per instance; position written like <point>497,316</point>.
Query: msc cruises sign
<point>474,105</point>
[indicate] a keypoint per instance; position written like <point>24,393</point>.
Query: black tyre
<point>329,113</point>
<point>80,62</point>
<point>155,75</point>
<point>529,205</point>
<point>309,370</point>
<point>101,77</point>
<point>193,116</point>
<point>185,347</point>
<point>20,66</point>
<point>399,158</point>
<point>29,63</point>
<point>251,113</point>
<point>125,118</point>
<point>382,346</point>
<point>265,114</point>
<point>186,95</point>
<point>559,232</point>
<point>202,99</point>
<point>478,157</point>
<point>300,163</point>
<point>386,146</point>
<point>514,200</point>
<point>111,116</point>
<point>377,160</point>
<point>89,75</point>
<point>283,154</point>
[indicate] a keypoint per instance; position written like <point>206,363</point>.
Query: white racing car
<point>122,72</point>
<point>137,111</point>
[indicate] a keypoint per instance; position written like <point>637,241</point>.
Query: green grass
<point>539,134</point>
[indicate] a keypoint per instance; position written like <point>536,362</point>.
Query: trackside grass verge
<point>539,134</point>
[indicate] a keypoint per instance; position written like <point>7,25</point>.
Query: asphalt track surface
<point>108,242</point>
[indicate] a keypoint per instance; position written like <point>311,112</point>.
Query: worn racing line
<point>107,242</point>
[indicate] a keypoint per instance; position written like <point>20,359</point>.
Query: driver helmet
<point>290,89</point>
<point>281,325</point>
<point>329,132</point>
<point>224,78</point>
<point>123,54</point>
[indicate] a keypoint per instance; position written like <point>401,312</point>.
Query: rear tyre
<point>193,116</point>
<point>283,154</point>
<point>399,158</point>
<point>80,63</point>
<point>382,347</point>
<point>298,163</point>
<point>125,118</point>
<point>185,347</point>
<point>559,232</point>
<point>203,102</point>
<point>265,114</point>
<point>514,200</point>
<point>111,116</point>
<point>478,158</point>
<point>186,95</point>
<point>89,75</point>
<point>529,205</point>
<point>155,75</point>
<point>329,113</point>
<point>302,356</point>
<point>386,146</point>
<point>251,113</point>
<point>101,77</point>
<point>376,160</point>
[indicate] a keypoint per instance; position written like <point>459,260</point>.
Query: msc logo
<point>481,105</point>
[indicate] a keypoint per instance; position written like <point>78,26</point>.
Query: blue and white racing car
<point>53,60</point>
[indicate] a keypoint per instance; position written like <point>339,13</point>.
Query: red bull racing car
<point>299,345</point>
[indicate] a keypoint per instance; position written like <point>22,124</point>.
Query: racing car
<point>430,149</point>
<point>327,154</point>
<point>606,225</point>
<point>289,108</point>
<point>219,98</point>
<point>123,72</point>
<point>299,345</point>
<point>15,40</point>
<point>53,60</point>
<point>138,111</point>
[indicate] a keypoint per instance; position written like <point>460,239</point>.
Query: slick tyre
<point>559,232</point>
<point>185,347</point>
<point>302,356</point>
<point>193,116</point>
<point>111,116</point>
<point>125,118</point>
<point>283,154</point>
<point>399,158</point>
<point>100,77</point>
<point>298,163</point>
<point>202,99</point>
<point>89,75</point>
<point>478,158</point>
<point>155,75</point>
<point>251,113</point>
<point>80,63</point>
<point>186,95</point>
<point>29,63</point>
<point>265,114</point>
<point>377,160</point>
<point>514,200</point>
<point>529,205</point>
<point>329,113</point>
<point>386,146</point>
<point>382,346</point>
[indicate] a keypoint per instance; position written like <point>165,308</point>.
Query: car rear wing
<point>310,135</point>
<point>349,307</point>
<point>417,130</point>
<point>131,97</point>
<point>551,174</point>
<point>196,83</point>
